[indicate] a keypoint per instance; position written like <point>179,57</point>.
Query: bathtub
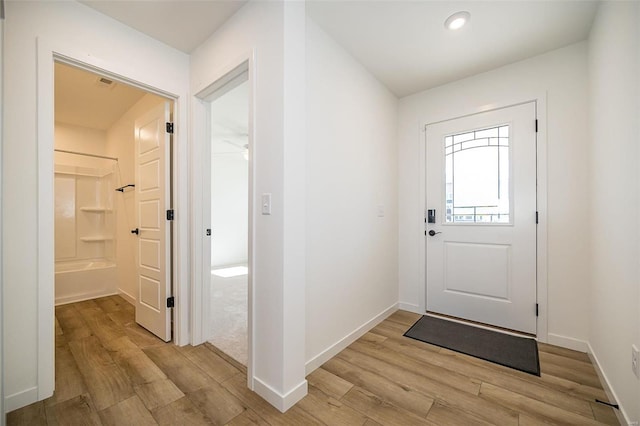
<point>83,280</point>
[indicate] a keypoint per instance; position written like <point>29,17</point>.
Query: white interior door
<point>152,200</point>
<point>481,233</point>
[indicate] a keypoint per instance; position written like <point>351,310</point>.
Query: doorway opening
<point>112,185</point>
<point>229,221</point>
<point>228,217</point>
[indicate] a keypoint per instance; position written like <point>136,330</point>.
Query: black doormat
<point>520,353</point>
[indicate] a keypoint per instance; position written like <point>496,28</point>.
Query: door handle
<point>432,232</point>
<point>135,231</point>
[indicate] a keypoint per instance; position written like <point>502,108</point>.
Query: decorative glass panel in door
<point>477,176</point>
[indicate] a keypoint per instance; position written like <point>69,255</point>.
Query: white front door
<point>152,200</point>
<point>481,217</point>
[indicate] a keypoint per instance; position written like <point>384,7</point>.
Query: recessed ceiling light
<point>457,20</point>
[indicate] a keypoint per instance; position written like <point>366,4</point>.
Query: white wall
<point>352,252</point>
<point>100,41</point>
<point>562,76</point>
<point>614,75</point>
<point>2,369</point>
<point>229,207</point>
<point>230,177</point>
<point>79,139</point>
<point>120,143</point>
<point>272,33</point>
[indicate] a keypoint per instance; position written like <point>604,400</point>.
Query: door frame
<point>48,52</point>
<point>540,101</point>
<point>201,201</point>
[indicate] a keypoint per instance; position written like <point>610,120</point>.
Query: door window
<point>477,176</point>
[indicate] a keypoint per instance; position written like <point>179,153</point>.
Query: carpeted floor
<point>229,316</point>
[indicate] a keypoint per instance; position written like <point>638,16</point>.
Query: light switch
<point>266,204</point>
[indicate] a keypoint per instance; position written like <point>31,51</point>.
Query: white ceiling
<point>403,43</point>
<point>81,101</point>
<point>406,46</point>
<point>183,24</point>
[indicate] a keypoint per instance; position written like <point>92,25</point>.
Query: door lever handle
<point>432,232</point>
<point>135,231</point>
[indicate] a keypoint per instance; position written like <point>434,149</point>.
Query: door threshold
<point>231,360</point>
<point>481,325</point>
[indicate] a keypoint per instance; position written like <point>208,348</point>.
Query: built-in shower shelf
<point>96,209</point>
<point>95,239</point>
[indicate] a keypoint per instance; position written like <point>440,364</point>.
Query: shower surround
<point>84,230</point>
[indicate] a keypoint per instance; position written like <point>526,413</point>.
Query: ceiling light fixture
<point>457,20</point>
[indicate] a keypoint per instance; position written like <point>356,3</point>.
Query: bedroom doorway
<point>228,217</point>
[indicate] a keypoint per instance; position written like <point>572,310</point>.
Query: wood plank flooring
<point>110,371</point>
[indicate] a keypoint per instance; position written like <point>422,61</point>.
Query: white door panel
<point>152,200</point>
<point>150,254</point>
<point>481,182</point>
<point>149,215</point>
<point>150,179</point>
<point>487,276</point>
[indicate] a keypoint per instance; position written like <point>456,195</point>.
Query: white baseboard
<point>273,397</point>
<point>21,399</point>
<point>568,342</point>
<point>81,298</point>
<point>334,349</point>
<point>126,296</point>
<point>623,418</point>
<point>410,307</point>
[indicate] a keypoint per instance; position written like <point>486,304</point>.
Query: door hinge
<point>536,309</point>
<point>537,218</point>
<point>208,232</point>
<point>169,127</point>
<point>170,214</point>
<point>171,302</point>
<point>536,126</point>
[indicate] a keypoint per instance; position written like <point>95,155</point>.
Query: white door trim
<point>48,52</point>
<point>201,269</point>
<point>2,369</point>
<point>540,100</point>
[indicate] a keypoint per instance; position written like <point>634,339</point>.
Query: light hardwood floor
<point>110,371</point>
